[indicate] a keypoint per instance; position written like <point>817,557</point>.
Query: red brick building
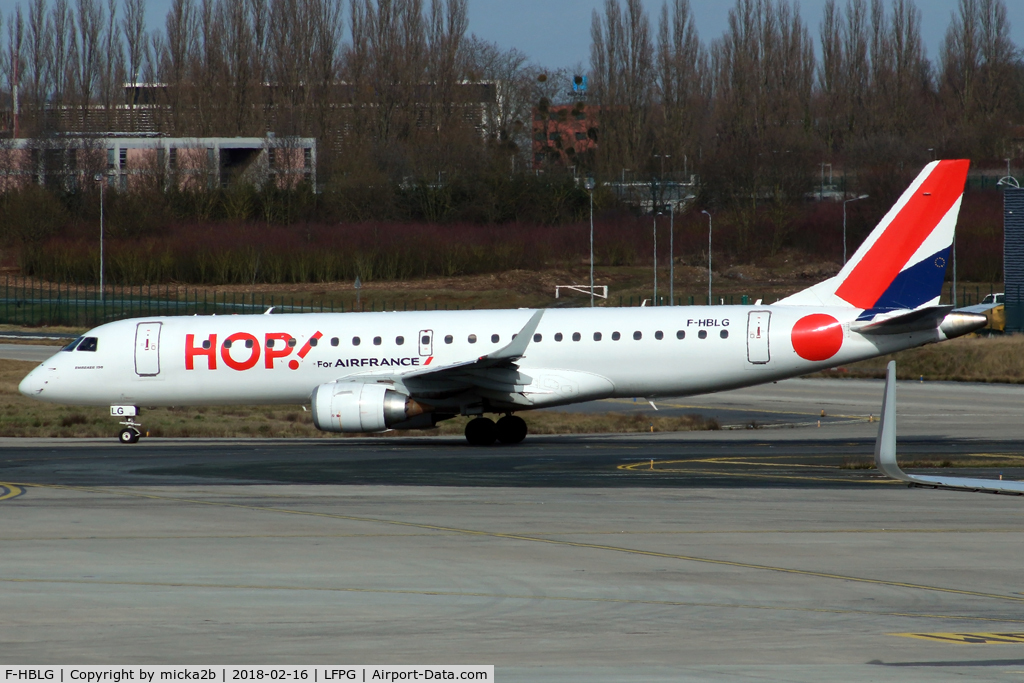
<point>564,134</point>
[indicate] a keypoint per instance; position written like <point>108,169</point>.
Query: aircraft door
<point>426,342</point>
<point>147,349</point>
<point>757,337</point>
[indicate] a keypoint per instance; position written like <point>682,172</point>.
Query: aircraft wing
<point>885,454</point>
<point>494,375</point>
<point>502,358</point>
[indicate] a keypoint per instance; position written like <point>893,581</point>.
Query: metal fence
<point>29,303</point>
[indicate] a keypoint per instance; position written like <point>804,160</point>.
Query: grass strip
<point>21,416</point>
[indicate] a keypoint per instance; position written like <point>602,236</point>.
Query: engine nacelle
<point>358,407</point>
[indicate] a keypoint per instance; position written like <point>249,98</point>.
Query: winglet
<point>885,444</point>
<point>516,349</point>
<point>885,453</point>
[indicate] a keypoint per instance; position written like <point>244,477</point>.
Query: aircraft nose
<point>33,383</point>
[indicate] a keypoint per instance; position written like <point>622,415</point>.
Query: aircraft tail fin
<point>902,263</point>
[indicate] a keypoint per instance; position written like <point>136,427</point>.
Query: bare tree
<point>112,76</point>
<point>40,35</point>
<point>622,70</point>
<point>977,64</point>
<point>62,25</point>
<point>15,61</point>
<point>88,56</point>
<point>133,26</point>
<point>682,82</point>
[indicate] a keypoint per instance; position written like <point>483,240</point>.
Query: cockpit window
<point>88,344</point>
<point>72,345</point>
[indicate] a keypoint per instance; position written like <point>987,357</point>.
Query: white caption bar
<point>236,674</point>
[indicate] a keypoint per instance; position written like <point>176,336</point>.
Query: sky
<point>556,33</point>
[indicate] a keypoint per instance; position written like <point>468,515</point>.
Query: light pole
<point>709,256</point>
<point>845,202</point>
<point>661,176</point>
<point>821,191</point>
<point>671,254</point>
<point>656,214</point>
<point>589,184</point>
<point>99,179</point>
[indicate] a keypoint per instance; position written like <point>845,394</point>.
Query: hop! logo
<point>242,351</point>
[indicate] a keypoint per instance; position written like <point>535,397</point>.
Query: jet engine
<point>358,407</point>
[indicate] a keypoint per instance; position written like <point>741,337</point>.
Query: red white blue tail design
<point>902,263</point>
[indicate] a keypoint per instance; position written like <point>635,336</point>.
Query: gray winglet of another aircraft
<point>885,454</point>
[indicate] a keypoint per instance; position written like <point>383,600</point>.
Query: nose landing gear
<point>129,435</point>
<point>131,432</point>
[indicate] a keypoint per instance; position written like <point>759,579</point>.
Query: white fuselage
<point>162,361</point>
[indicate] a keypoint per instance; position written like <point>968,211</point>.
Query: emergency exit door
<point>757,337</point>
<point>426,342</point>
<point>147,349</point>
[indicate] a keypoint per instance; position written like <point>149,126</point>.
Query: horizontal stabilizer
<point>910,321</point>
<point>885,454</point>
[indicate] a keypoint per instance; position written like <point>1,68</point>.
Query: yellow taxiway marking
<point>969,638</point>
<point>564,532</point>
<point>684,406</point>
<point>644,467</point>
<point>549,541</point>
<point>8,491</point>
<point>506,596</point>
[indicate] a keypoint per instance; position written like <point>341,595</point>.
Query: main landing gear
<point>482,431</point>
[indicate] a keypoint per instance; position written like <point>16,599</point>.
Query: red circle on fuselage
<point>817,337</point>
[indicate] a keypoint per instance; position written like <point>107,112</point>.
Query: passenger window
<point>248,343</point>
<point>659,335</point>
<point>424,340</point>
<point>270,344</point>
<point>681,334</point>
<point>724,334</point>
<point>313,341</point>
<point>89,344</point>
<point>616,336</point>
<point>597,336</point>
<point>638,335</point>
<point>495,339</point>
<point>558,336</point>
<point>206,345</point>
<point>703,334</point>
<point>399,340</point>
<point>537,337</point>
<point>335,341</point>
<point>291,342</point>
<point>227,343</point>
<point>355,341</point>
<point>376,341</point>
<point>472,339</point>
<point>448,339</point>
<point>575,336</point>
<point>72,345</point>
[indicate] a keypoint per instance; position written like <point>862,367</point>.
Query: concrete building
<point>563,133</point>
<point>129,161</point>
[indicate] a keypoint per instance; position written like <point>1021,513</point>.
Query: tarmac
<point>748,554</point>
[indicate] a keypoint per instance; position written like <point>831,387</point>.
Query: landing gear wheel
<point>511,429</point>
<point>129,435</point>
<point>481,431</point>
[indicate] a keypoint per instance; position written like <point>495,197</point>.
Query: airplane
<point>372,372</point>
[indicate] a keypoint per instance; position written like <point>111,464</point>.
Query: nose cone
<point>33,383</point>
